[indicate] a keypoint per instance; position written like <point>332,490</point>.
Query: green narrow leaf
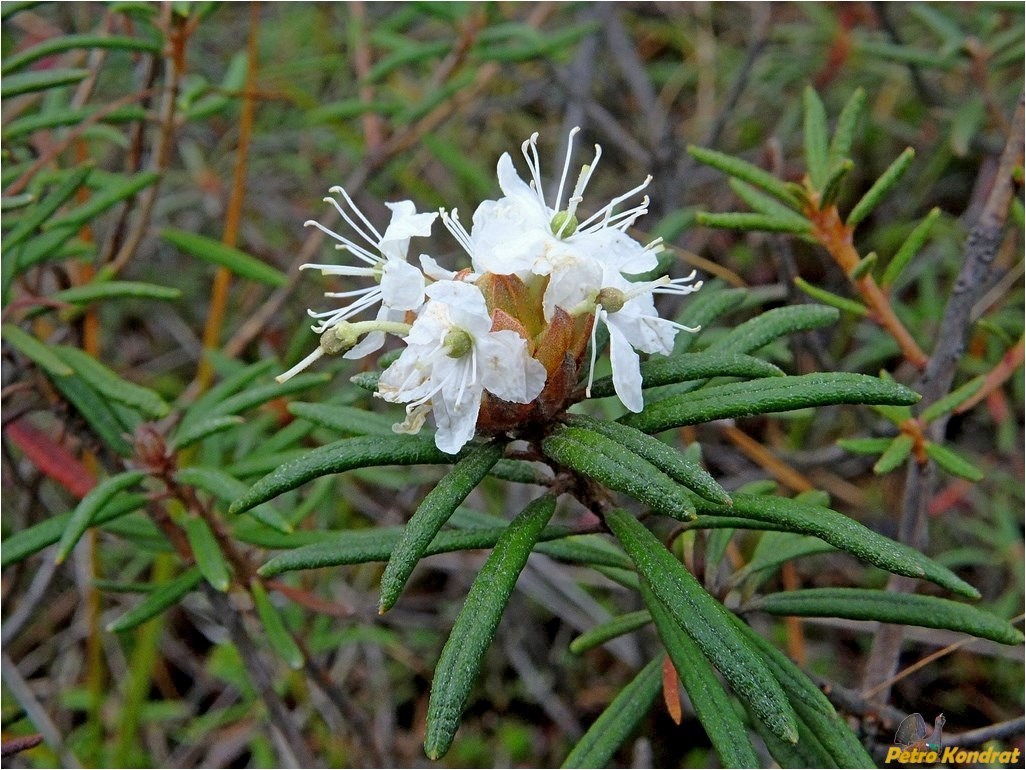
<point>39,80</point>
<point>847,123</point>
<point>817,160</point>
<point>160,599</point>
<point>881,187</point>
<point>764,204</point>
<point>811,705</point>
<point>614,725</point>
<point>829,298</point>
<point>110,384</point>
<point>773,324</point>
<point>34,350</point>
<point>347,419</point>
<point>611,629</point>
<point>226,487</point>
<point>201,429</point>
<point>953,462</point>
<point>777,548</point>
<point>202,406</point>
<point>738,220</point>
<point>26,542</point>
<point>864,446</point>
<point>833,184</point>
<point>472,633</point>
<point>278,636</point>
<point>238,262</point>
<point>46,207</point>
<point>895,454</point>
<point>606,461</point>
<point>726,730</point>
<point>707,622</point>
<point>205,549</point>
<point>704,308</point>
<point>693,366</point>
<point>261,394</point>
<point>890,607</point>
<point>843,533</point>
<point>431,514</point>
<point>47,246</point>
<point>863,267</point>
<point>98,412</point>
<point>908,249</point>
<point>953,400</point>
<point>92,292</point>
<point>61,43</point>
<point>111,194</point>
<point>667,459</point>
<point>744,171</point>
<point>776,394</point>
<point>90,506</point>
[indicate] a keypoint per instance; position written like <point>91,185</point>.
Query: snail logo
<point>917,744</point>
<point>913,734</point>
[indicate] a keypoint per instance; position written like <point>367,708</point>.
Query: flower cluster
<point>499,346</point>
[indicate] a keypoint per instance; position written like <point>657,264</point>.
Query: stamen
<point>359,213</point>
<point>534,163</point>
<point>347,244</point>
<point>459,232</point>
<point>599,315</point>
<point>606,211</point>
<point>286,376</point>
<point>566,166</point>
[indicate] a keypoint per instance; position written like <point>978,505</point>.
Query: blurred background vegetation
<point>233,120</point>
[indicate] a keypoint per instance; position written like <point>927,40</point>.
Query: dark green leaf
<point>829,298</point>
<point>707,622</point>
<point>775,394</point>
<point>736,220</point>
<point>205,549</point>
<point>604,460</point>
<point>61,43</point>
<point>895,454</point>
<point>817,161</point>
<point>472,633</point>
<point>614,725</point>
<point>766,205</point>
<point>349,420</point>
<point>278,636</point>
<point>110,384</point>
<point>90,506</point>
<point>953,462</point>
<point>890,607</point>
<point>39,80</point>
<point>47,206</point>
<point>91,292</point>
<point>611,629</point>
<point>953,400</point>
<point>125,187</point>
<point>913,243</point>
<point>881,187</point>
<point>431,514</point>
<point>744,171</point>
<point>162,598</point>
<point>238,262</point>
<point>36,351</point>
<point>847,122</point>
<point>693,366</point>
<point>200,429</point>
<point>98,412</point>
<point>226,487</point>
<point>864,446</point>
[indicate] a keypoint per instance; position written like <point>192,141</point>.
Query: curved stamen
<point>606,211</point>
<point>341,191</point>
<point>566,166</point>
<point>534,163</point>
<point>344,243</point>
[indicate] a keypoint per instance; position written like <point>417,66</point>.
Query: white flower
<point>629,313</point>
<point>398,285</point>
<point>451,358</point>
<point>522,234</point>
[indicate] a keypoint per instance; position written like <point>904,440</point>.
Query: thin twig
<point>22,692</point>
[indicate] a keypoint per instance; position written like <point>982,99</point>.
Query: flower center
<point>564,224</point>
<point>457,343</point>
<point>612,300</point>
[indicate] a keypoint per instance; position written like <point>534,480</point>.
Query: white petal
<point>512,185</point>
<point>641,325</point>
<point>570,284</point>
<point>402,285</point>
<point>405,224</point>
<point>435,271</point>
<point>626,368</point>
<point>507,370</point>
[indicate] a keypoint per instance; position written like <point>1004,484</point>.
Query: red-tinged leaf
<point>502,321</point>
<point>51,458</point>
<point>510,295</point>
<point>554,342</point>
<point>671,691</point>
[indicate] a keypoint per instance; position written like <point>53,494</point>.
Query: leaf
<point>953,400</point>
<point>90,506</point>
<point>123,187</point>
<point>610,629</point>
<point>39,80</point>
<point>431,514</point>
<point>775,549</point>
<point>49,455</point>
<point>895,454</point>
<point>737,220</point>
<point>712,705</point>
<point>91,292</point>
<point>237,261</point>
<point>46,207</point>
<point>160,599</point>
<point>913,243</point>
<point>475,627</point>
<point>704,308</point>
<point>667,459</point>
<point>776,394</point>
<point>98,412</point>
<point>767,206</point>
<point>613,726</point>
<point>953,462</point>
<point>844,131</point>
<point>773,324</point>
<point>261,394</point>
<point>36,351</point>
<point>203,405</point>
<point>278,636</point>
<point>817,161</point>
<point>26,542</point>
<point>347,419</point>
<point>199,430</point>
<point>829,298</point>
<point>61,43</point>
<point>706,621</point>
<point>205,549</point>
<point>881,187</point>
<point>810,704</point>
<point>693,366</point>
<point>110,384</point>
<point>744,171</point>
<point>890,607</point>
<point>226,487</point>
<point>842,533</point>
<point>864,446</point>
<point>604,460</point>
